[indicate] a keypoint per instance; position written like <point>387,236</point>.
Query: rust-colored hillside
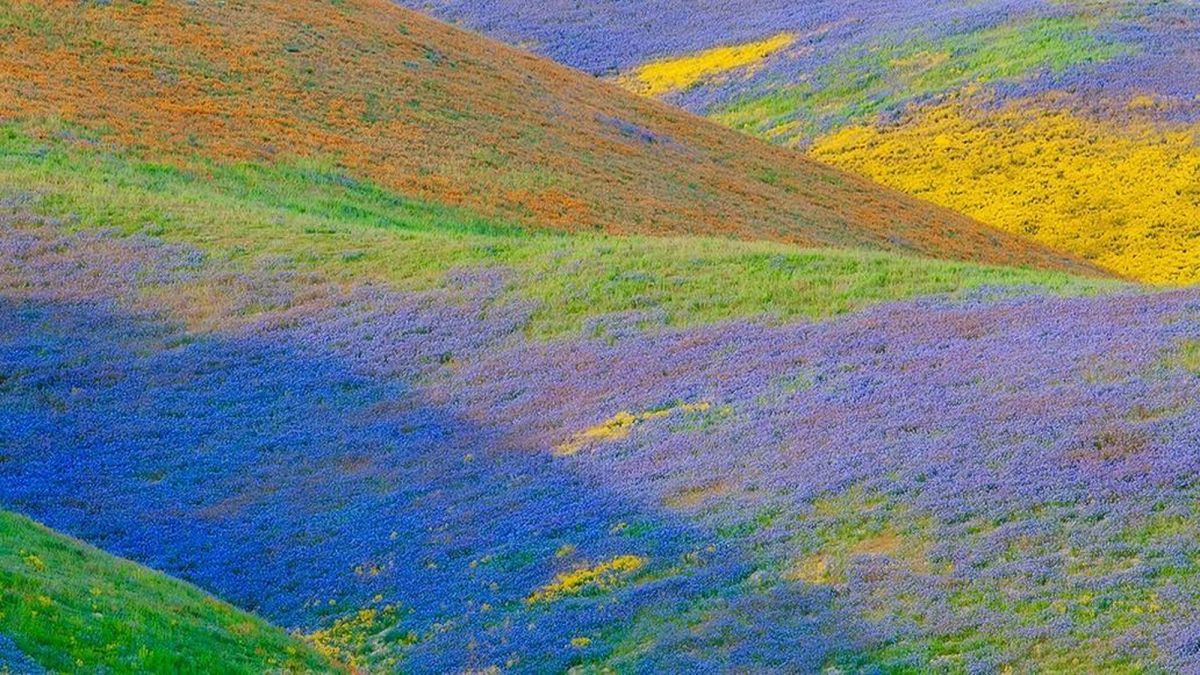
<point>433,111</point>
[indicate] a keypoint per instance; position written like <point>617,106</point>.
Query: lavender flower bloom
<point>966,484</point>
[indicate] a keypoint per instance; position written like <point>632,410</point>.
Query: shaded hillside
<point>64,605</point>
<point>436,112</point>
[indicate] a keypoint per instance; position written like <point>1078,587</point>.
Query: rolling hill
<point>403,471</point>
<point>438,113</point>
<point>1073,123</point>
<point>326,360</point>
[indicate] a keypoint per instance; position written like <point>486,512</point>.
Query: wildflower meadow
<point>344,337</point>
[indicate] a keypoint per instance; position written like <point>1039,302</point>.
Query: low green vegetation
<point>1186,357</point>
<point>315,217</point>
<point>69,606</point>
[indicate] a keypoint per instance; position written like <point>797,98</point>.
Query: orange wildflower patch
<point>435,112</point>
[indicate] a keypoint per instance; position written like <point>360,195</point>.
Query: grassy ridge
<point>69,606</point>
<point>428,110</point>
<point>314,217</point>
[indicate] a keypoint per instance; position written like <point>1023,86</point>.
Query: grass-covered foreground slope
<point>68,607</point>
<point>432,111</point>
<point>1073,123</point>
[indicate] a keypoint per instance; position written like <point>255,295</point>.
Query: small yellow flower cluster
<point>34,561</point>
<point>618,426</point>
<point>367,570</point>
<point>602,576</point>
<point>347,639</point>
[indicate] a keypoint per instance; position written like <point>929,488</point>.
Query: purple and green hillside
<point>301,382</point>
<point>433,476</point>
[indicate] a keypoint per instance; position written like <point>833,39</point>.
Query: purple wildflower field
<point>969,483</point>
<point>370,431</point>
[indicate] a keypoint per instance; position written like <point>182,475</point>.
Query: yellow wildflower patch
<point>918,64</point>
<point>1143,102</point>
<point>603,576</point>
<point>243,628</point>
<point>1128,201</point>
<point>348,638</point>
<point>618,427</point>
<point>660,77</point>
<point>34,561</point>
<point>813,569</point>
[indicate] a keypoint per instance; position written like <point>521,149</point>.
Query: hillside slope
<point>407,476</point>
<point>330,404</point>
<point>64,605</point>
<point>1039,117</point>
<point>436,112</point>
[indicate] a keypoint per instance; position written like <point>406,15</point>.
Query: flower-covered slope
<point>436,112</point>
<point>244,344</point>
<point>1002,477</point>
<point>1070,122</point>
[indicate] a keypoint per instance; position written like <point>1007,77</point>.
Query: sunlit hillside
<point>438,113</point>
<point>67,607</point>
<point>1073,123</point>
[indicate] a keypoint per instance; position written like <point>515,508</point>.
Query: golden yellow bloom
<point>1128,201</point>
<point>660,77</point>
<point>618,426</point>
<point>345,640</point>
<point>34,561</point>
<point>602,576</point>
